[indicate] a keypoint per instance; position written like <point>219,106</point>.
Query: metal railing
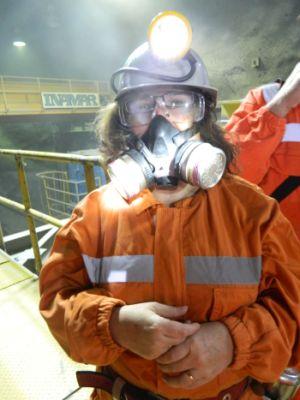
<point>88,163</point>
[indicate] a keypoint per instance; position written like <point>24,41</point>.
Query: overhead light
<point>170,35</point>
<point>19,43</point>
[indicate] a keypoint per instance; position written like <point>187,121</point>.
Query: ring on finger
<point>190,376</point>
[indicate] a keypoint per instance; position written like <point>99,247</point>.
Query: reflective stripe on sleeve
<point>223,270</point>
<point>199,269</point>
<point>269,90</point>
<point>292,133</point>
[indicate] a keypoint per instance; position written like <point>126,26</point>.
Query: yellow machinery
<point>227,108</point>
<point>30,96</point>
<point>43,96</point>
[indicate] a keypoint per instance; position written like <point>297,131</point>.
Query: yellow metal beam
<point>30,213</point>
<point>2,244</point>
<point>51,156</point>
<point>26,96</point>
<point>89,176</point>
<point>27,205</point>
<point>34,213</point>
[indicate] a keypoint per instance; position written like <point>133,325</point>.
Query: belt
<point>286,188</point>
<point>122,390</point>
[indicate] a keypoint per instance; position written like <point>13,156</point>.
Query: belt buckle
<point>227,396</point>
<point>117,389</point>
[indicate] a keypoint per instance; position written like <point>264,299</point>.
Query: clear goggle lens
<point>140,109</point>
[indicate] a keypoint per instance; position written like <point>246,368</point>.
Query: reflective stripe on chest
<point>198,269</point>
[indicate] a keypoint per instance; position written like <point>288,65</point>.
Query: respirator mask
<point>163,156</point>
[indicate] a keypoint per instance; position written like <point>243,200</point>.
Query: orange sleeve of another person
<point>257,132</point>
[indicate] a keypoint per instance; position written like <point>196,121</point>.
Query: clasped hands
<point>188,354</point>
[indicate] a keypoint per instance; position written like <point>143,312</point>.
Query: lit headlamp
<point>170,35</point>
<point>165,59</point>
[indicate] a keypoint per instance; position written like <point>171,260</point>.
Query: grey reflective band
<point>199,269</point>
<point>269,90</point>
<point>292,133</point>
<point>120,268</point>
<point>223,270</point>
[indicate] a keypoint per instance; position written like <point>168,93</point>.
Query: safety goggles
<point>177,105</point>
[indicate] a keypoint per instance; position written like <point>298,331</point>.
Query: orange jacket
<point>228,253</point>
<point>269,146</point>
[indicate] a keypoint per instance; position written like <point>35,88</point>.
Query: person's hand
<point>149,329</point>
<point>200,358</point>
<point>288,96</point>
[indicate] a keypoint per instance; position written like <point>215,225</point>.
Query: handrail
<point>88,163</point>
<point>35,213</point>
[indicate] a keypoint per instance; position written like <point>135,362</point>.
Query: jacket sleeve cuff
<point>241,340</point>
<point>104,314</point>
<point>271,119</point>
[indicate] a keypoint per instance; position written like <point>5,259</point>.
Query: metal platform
<point>32,365</point>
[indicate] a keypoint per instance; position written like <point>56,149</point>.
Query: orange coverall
<point>228,253</point>
<point>269,147</point>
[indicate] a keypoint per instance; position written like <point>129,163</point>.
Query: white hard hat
<point>142,70</point>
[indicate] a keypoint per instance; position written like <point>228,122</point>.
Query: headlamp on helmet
<point>166,59</point>
<point>170,35</point>
<point>174,80</point>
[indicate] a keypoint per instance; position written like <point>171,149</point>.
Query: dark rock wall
<point>232,35</point>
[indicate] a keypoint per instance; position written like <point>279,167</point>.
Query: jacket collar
<point>145,200</point>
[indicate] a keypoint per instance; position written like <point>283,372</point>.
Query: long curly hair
<point>113,137</point>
